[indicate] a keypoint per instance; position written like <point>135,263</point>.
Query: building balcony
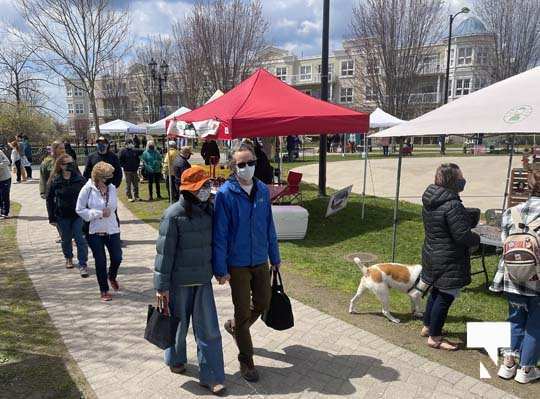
<point>305,79</point>
<point>430,69</point>
<point>423,98</point>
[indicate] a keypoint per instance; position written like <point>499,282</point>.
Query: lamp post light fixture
<point>159,74</point>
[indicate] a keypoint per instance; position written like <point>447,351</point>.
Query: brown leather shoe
<point>249,372</point>
<point>114,284</point>
<point>178,369</point>
<point>106,297</point>
<point>69,263</point>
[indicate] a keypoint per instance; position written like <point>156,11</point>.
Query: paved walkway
<point>320,357</point>
<point>486,177</point>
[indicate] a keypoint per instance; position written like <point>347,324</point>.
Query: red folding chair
<point>292,191</point>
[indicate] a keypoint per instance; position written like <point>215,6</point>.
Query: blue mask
<point>460,184</point>
<point>101,147</point>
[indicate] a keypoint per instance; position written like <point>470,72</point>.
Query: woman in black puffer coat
<point>446,261</point>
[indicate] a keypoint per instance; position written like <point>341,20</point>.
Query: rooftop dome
<point>469,27</point>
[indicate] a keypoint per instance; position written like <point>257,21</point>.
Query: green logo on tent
<point>517,114</point>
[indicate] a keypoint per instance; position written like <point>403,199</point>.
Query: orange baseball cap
<point>194,178</point>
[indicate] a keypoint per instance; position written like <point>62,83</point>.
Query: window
<point>347,68</point>
<point>346,95</point>
<point>70,108</point>
<point>79,108</point>
<point>281,73</point>
<point>452,55</point>
<point>330,70</point>
<point>371,94</point>
<point>135,106</point>
<point>465,56</point>
<point>463,87</point>
<point>305,72</point>
<point>480,83</point>
<point>77,92</point>
<point>69,91</point>
<point>308,92</point>
<point>372,67</point>
<point>482,55</point>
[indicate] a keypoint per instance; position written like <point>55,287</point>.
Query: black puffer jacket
<point>62,197</point>
<point>445,256</point>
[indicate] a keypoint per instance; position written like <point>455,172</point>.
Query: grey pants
<point>132,179</point>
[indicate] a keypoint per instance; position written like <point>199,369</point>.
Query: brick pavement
<point>320,357</point>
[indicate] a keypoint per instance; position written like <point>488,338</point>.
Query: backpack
<point>521,250</point>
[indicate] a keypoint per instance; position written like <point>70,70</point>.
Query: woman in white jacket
<point>97,204</point>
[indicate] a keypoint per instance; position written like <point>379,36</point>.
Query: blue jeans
<point>437,307</point>
<point>5,186</point>
<point>524,318</point>
<point>197,303</point>
<point>98,243</point>
<point>73,229</point>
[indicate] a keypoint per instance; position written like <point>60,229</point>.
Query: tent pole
<point>365,176</point>
<point>280,160</point>
<point>512,139</point>
<point>396,203</point>
<point>169,171</point>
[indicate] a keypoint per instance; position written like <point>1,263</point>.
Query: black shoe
<point>229,327</point>
<point>249,372</point>
<point>179,369</point>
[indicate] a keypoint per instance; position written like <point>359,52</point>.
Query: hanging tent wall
<point>158,128</point>
<point>511,106</point>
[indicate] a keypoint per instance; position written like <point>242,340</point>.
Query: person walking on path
<point>104,154</point>
<point>523,297</point>
<point>152,161</point>
<point>27,151</point>
<point>47,166</point>
<point>172,187</point>
<point>130,159</point>
<point>65,184</point>
<point>5,185</point>
<point>96,204</point>
<point>244,238</point>
<point>210,151</point>
<point>446,257</point>
<point>182,278</point>
<point>181,164</point>
<point>16,161</point>
<point>70,151</point>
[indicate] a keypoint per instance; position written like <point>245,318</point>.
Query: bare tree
<point>516,27</point>
<point>390,42</point>
<point>77,39</point>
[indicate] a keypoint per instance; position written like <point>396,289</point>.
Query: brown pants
<point>251,291</point>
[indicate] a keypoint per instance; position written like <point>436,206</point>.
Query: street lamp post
<point>159,74</point>
<point>324,94</point>
<point>464,10</point>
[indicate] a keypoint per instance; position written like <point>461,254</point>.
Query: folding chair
<point>292,191</point>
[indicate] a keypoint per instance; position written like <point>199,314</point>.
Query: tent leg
<point>396,203</point>
<point>169,170</point>
<point>512,140</point>
<point>280,160</point>
<point>365,177</point>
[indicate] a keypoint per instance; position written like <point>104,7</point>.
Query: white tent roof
<point>118,126</point>
<point>158,128</point>
<point>217,94</point>
<point>381,119</point>
<point>509,106</point>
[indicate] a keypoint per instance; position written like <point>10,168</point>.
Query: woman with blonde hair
<point>65,185</point>
<point>97,204</point>
<point>16,160</point>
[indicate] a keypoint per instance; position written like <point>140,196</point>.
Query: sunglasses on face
<point>242,165</point>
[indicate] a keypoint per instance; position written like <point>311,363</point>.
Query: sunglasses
<point>242,165</point>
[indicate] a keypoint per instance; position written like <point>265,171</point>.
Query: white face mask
<point>203,194</point>
<point>130,146</point>
<point>246,173</point>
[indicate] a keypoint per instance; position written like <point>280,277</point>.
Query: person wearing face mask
<point>152,160</point>
<point>65,185</point>
<point>244,239</point>
<point>130,159</point>
<point>181,164</point>
<point>47,166</point>
<point>446,261</point>
<point>103,154</point>
<point>182,278</point>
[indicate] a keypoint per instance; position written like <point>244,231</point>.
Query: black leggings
<point>18,167</point>
<point>154,178</point>
<point>437,311</point>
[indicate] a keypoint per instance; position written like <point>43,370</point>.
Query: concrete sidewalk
<point>320,357</point>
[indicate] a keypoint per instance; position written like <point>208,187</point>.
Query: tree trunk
<point>93,106</point>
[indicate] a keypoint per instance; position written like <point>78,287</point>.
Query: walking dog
<point>381,277</point>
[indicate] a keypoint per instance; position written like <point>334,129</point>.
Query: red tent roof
<point>263,105</point>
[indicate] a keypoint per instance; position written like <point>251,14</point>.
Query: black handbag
<point>279,315</point>
<point>160,327</point>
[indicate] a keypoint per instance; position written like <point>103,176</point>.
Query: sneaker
<point>178,369</point>
<point>132,200</point>
<point>106,297</point>
<point>506,372</point>
<point>69,264</point>
<point>216,389</point>
<point>249,372</point>
<point>16,182</point>
<point>114,284</point>
<point>84,271</point>
<point>525,377</point>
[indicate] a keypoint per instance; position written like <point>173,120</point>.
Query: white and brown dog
<point>381,277</point>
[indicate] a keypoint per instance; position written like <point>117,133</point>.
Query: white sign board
<point>338,201</point>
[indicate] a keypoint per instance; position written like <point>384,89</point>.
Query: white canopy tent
<point>138,129</point>
<point>511,106</point>
<point>118,126</point>
<point>159,128</point>
<point>214,96</point>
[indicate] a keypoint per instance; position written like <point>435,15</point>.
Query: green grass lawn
<point>34,363</point>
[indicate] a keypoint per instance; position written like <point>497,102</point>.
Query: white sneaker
<point>506,372</point>
<point>524,378</point>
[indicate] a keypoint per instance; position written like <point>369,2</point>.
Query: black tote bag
<point>160,328</point>
<point>279,315</point>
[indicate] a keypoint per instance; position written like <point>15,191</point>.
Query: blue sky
<point>295,25</point>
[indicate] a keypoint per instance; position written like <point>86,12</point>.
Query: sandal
<point>444,345</point>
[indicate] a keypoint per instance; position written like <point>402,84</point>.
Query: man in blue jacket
<point>244,239</point>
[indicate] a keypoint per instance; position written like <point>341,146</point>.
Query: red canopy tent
<point>263,105</point>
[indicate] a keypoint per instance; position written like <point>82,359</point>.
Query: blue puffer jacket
<point>244,231</point>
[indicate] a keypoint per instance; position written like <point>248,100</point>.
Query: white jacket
<point>5,172</point>
<point>15,156</point>
<point>90,206</point>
